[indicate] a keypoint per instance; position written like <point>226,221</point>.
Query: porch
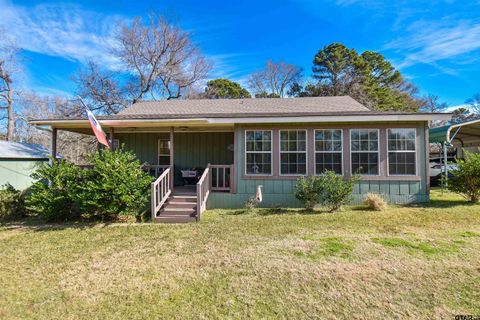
<point>187,166</point>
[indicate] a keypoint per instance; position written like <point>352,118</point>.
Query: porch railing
<point>160,191</point>
<point>221,177</point>
<point>154,169</point>
<point>203,191</point>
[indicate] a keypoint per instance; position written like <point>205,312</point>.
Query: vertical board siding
<point>193,149</point>
<point>199,149</point>
<point>279,192</point>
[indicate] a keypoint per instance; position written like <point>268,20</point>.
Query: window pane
<point>259,163</point>
<point>364,139</point>
<point>365,163</point>
<point>164,160</point>
<point>328,161</point>
<point>400,139</point>
<point>401,163</point>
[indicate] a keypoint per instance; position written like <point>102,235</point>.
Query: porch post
<point>233,172</point>
<point>110,138</point>
<point>53,144</point>
<point>172,162</point>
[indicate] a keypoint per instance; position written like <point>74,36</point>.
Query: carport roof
<point>466,132</point>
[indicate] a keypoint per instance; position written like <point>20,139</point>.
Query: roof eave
<point>237,120</point>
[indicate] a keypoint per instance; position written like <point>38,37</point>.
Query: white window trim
<point>315,150</point>
<point>409,151</point>
<point>378,152</point>
<point>280,153</point>
<point>245,154</point>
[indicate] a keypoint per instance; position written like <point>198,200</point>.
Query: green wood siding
<point>194,149</point>
<point>17,172</point>
<point>199,149</point>
<point>279,192</point>
<point>190,149</point>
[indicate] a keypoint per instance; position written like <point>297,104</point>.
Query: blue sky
<point>435,44</point>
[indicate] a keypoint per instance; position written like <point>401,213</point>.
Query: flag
<point>97,129</point>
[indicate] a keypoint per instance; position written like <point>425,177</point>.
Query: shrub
<point>307,190</point>
<point>466,178</point>
<point>56,193</point>
<point>335,191</point>
<point>12,204</point>
<point>375,202</point>
<point>115,185</point>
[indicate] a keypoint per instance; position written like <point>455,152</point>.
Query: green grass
<point>417,262</point>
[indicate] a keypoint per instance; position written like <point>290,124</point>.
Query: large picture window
<point>364,151</point>
<point>401,151</point>
<point>293,152</point>
<point>328,151</point>
<point>258,151</point>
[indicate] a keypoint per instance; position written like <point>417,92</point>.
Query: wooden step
<point>167,211</point>
<point>177,198</point>
<point>175,219</point>
<point>181,204</point>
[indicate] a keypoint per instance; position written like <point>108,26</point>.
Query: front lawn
<point>406,262</point>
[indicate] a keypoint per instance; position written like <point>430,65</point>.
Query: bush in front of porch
<point>115,186</point>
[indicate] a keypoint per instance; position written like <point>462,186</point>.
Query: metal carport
<point>462,136</point>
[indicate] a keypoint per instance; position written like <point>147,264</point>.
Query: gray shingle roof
<point>245,107</point>
<point>16,150</point>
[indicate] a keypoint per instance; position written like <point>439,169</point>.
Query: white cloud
<point>61,30</point>
<point>465,106</point>
<point>431,42</point>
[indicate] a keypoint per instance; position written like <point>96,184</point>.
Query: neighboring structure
<point>18,161</point>
<point>245,143</point>
<point>462,136</point>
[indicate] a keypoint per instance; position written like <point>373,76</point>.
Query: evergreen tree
<point>225,89</point>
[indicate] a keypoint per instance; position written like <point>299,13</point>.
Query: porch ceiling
<point>83,126</point>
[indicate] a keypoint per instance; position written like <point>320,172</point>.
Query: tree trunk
<point>10,113</point>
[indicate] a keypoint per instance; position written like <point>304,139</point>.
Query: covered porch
<point>188,162</point>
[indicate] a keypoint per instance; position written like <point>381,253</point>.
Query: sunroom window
<point>258,150</point>
<point>293,152</point>
<point>401,151</point>
<point>328,151</point>
<point>364,151</point>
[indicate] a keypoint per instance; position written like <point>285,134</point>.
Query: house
<point>18,161</point>
<point>237,145</point>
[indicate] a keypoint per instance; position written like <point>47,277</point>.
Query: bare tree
<point>70,145</point>
<point>102,88</point>
<point>432,104</point>
<point>474,103</point>
<point>274,80</point>
<point>157,60</point>
<point>7,69</point>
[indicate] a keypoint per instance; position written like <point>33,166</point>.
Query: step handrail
<point>160,191</point>
<point>203,191</point>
